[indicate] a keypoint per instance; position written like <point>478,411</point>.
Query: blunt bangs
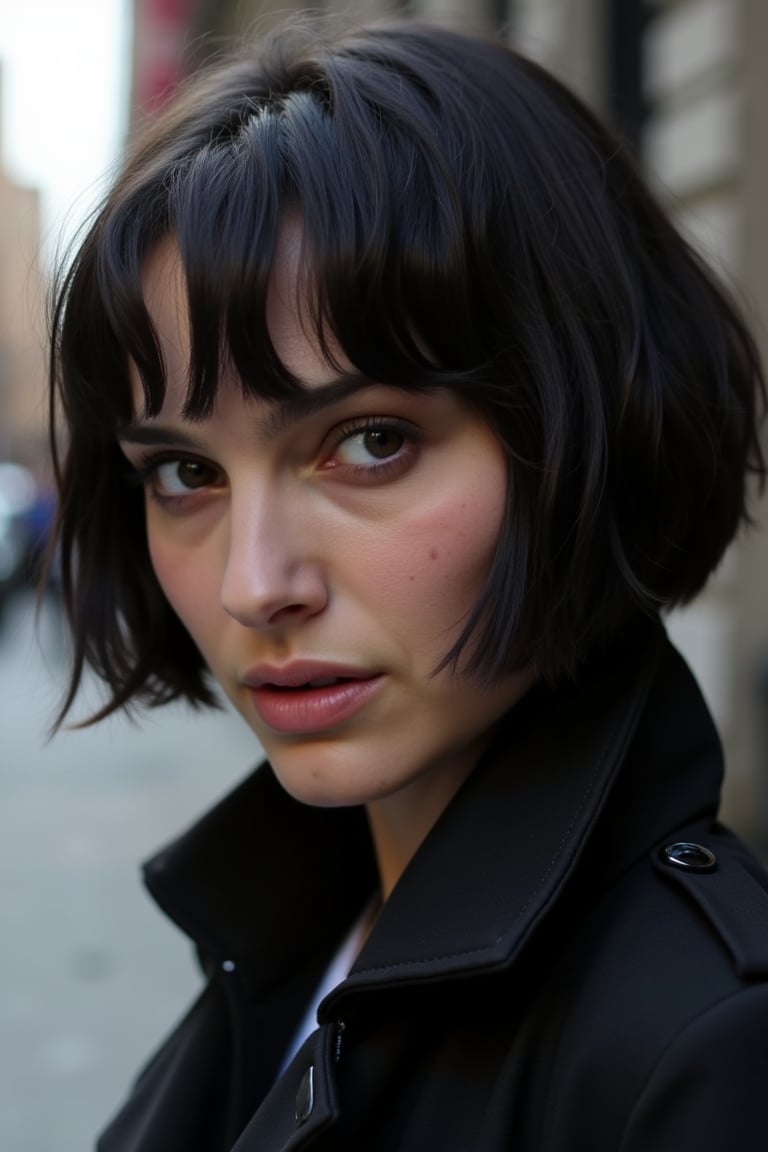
<point>466,223</point>
<point>384,260</point>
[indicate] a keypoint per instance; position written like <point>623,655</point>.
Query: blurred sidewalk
<point>92,975</point>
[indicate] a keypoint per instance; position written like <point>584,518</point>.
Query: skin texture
<point>330,539</point>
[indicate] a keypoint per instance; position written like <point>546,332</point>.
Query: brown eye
<point>192,474</point>
<point>383,442</point>
<point>365,447</point>
<point>179,477</point>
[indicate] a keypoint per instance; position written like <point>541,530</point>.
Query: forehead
<point>287,316</point>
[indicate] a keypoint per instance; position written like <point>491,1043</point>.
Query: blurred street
<point>92,975</point>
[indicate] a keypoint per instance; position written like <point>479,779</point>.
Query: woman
<point>393,401</point>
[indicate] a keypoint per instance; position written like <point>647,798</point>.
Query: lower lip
<point>307,710</point>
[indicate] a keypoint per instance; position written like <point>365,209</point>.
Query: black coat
<point>544,978</point>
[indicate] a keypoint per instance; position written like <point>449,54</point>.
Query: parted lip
<point>300,673</point>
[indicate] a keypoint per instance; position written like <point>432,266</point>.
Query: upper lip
<point>301,672</point>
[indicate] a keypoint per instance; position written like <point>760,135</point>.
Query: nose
<point>272,578</point>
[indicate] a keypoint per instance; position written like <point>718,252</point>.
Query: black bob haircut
<point>467,224</point>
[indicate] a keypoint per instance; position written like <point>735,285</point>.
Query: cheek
<point>435,563</point>
<point>167,568</point>
<point>188,592</point>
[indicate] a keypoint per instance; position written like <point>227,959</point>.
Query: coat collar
<point>624,755</point>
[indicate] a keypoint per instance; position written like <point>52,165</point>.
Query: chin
<point>322,793</point>
<point>325,781</point>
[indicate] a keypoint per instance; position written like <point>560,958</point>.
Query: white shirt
<point>335,973</point>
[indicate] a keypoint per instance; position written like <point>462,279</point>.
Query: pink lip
<point>287,703</point>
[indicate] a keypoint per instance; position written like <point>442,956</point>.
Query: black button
<point>690,857</point>
<point>305,1097</point>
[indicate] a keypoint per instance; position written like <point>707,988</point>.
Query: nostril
<point>289,611</point>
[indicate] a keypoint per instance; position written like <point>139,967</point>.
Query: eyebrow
<point>278,417</point>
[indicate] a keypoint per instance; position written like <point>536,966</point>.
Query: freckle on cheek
<point>433,553</point>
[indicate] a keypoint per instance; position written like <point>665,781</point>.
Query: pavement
<point>92,975</point>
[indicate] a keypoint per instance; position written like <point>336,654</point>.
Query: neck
<point>400,823</point>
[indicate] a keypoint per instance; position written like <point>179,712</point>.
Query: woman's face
<point>324,558</point>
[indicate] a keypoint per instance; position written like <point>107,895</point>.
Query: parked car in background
<point>18,496</point>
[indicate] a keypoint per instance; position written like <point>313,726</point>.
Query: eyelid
<point>148,460</point>
<point>357,424</point>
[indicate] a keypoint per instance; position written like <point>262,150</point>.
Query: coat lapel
<point>503,849</point>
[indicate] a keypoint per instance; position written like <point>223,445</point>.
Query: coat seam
<point>673,1040</point>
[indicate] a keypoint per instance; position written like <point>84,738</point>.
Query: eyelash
<point>144,472</point>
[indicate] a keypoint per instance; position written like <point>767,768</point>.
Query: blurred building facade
<point>22,321</point>
<point>685,82</point>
